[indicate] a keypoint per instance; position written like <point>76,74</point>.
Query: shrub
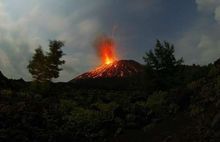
<point>157,101</point>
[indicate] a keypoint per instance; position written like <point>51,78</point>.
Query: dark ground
<point>117,111</point>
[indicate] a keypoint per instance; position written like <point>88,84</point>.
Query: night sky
<point>193,26</point>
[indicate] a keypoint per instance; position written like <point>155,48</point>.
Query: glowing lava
<point>108,60</point>
<point>111,67</point>
<point>106,50</point>
<point>117,69</point>
<point>108,54</point>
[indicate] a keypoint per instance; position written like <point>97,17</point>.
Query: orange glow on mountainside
<point>116,69</point>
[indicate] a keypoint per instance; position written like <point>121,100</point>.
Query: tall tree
<point>45,67</point>
<point>161,65</point>
<point>162,58</point>
<point>38,66</point>
<point>54,58</point>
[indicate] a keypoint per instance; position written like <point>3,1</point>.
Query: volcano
<point>116,69</point>
<point>113,73</point>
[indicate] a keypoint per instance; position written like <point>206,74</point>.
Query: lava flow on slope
<point>116,69</point>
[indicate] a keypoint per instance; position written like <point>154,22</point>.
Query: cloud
<point>217,14</point>
<point>9,42</point>
<point>207,5</point>
<point>211,7</point>
<point>21,33</point>
<point>200,44</point>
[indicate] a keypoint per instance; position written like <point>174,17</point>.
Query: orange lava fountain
<point>106,50</point>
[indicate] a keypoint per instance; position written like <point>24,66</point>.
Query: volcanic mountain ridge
<point>117,69</point>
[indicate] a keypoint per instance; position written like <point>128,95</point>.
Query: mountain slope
<point>117,69</point>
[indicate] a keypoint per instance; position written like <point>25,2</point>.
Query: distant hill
<point>3,81</point>
<point>2,77</point>
<point>15,84</point>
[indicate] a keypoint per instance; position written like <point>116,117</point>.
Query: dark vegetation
<point>170,102</point>
<point>43,67</point>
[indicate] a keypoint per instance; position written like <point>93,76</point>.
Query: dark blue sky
<point>139,28</point>
<point>191,25</point>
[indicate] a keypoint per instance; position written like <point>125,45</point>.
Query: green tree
<point>161,65</point>
<point>38,66</point>
<point>54,58</point>
<point>162,58</point>
<point>45,67</point>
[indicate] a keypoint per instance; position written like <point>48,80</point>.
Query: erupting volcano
<point>111,67</point>
<point>117,69</point>
<point>105,47</point>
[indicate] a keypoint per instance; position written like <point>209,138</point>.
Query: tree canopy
<point>44,67</point>
<point>162,58</point>
<point>161,66</point>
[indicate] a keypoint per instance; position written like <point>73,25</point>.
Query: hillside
<point>119,75</point>
<point>64,112</point>
<point>117,69</point>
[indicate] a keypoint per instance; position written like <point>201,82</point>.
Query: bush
<point>195,110</point>
<point>157,102</point>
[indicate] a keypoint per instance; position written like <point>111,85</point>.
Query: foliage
<point>162,58</point>
<point>162,66</point>
<point>63,112</point>
<point>157,102</point>
<point>45,67</point>
<point>195,110</point>
<point>53,58</point>
<point>38,66</point>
